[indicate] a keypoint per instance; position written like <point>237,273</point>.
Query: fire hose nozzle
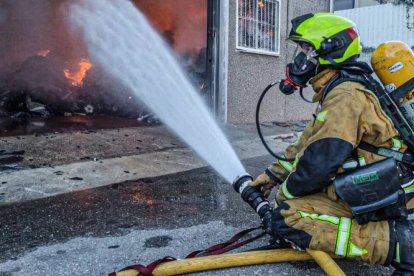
<point>252,195</point>
<point>241,182</point>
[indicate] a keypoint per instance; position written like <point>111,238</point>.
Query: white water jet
<point>119,38</point>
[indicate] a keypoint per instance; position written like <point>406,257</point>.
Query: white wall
<point>381,23</point>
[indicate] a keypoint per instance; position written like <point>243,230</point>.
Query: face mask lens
<point>300,60</point>
<point>302,49</point>
<point>301,69</point>
<point>295,53</point>
<point>307,49</point>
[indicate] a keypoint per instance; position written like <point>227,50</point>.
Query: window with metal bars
<point>339,5</point>
<point>258,26</point>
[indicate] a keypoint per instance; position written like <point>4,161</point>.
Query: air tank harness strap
<point>217,249</point>
<point>405,158</point>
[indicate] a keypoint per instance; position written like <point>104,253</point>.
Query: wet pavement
<point>180,200</point>
<point>67,162</point>
<point>53,149</point>
<point>85,227</point>
<point>142,204</point>
<point>36,125</point>
<point>96,231</point>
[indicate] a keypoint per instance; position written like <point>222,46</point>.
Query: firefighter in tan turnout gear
<point>318,203</point>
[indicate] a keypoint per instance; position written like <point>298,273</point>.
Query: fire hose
<point>241,259</point>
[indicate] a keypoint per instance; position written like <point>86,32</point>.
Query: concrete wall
<point>249,74</point>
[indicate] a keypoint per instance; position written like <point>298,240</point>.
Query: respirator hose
<point>303,97</point>
<point>259,131</point>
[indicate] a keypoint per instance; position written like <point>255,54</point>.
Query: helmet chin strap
<point>331,61</point>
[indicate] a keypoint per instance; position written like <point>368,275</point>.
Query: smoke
<point>182,22</point>
<point>28,26</point>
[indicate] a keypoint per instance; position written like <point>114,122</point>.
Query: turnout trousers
<point>317,222</point>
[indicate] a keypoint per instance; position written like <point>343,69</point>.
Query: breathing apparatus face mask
<point>302,68</point>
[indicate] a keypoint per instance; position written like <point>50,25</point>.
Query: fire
<point>43,53</point>
<point>76,78</point>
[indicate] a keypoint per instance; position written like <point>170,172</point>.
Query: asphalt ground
<point>92,201</point>
<point>38,125</point>
<point>100,230</point>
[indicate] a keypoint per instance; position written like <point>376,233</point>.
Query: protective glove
<point>266,182</point>
<point>275,240</point>
<point>267,222</point>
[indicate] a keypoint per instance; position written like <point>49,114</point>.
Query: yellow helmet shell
<point>393,62</point>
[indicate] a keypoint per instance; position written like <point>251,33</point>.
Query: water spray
<point>113,32</point>
<point>122,42</point>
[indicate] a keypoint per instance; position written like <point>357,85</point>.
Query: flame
<point>260,4</point>
<point>76,79</point>
<point>43,53</point>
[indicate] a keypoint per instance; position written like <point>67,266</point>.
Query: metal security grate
<point>258,26</point>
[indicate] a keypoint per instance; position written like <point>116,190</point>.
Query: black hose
<point>259,131</point>
<point>303,97</point>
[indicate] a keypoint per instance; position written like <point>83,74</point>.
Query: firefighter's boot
<point>404,250</point>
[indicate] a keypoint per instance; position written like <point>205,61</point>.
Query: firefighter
<point>309,213</point>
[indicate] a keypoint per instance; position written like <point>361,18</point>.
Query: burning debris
<point>76,79</point>
<point>34,86</point>
<point>43,87</point>
<point>45,70</point>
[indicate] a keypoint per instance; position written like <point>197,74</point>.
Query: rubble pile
<point>42,87</point>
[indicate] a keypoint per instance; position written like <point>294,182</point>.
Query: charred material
<point>42,87</point>
<point>44,70</point>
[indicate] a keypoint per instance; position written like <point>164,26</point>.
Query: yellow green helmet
<point>334,38</point>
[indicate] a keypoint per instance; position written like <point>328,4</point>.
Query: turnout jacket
<point>349,114</point>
